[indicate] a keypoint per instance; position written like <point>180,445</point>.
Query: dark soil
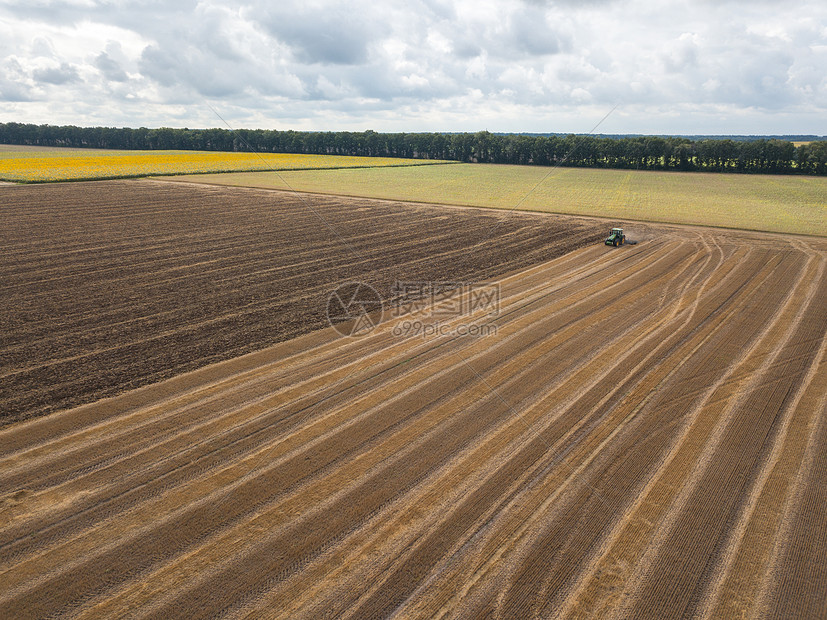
<point>112,285</point>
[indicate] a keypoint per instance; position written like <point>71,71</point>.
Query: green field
<point>774,203</point>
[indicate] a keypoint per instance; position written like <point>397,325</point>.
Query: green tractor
<point>616,237</point>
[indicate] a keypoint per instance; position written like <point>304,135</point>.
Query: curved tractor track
<point>643,436</point>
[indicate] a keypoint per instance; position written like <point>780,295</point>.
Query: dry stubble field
<point>645,436</point>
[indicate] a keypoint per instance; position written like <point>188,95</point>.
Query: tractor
<point>616,237</point>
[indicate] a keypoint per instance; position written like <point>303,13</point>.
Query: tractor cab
<point>616,237</point>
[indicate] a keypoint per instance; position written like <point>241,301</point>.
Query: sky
<point>686,67</point>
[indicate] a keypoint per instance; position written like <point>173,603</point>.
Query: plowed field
<point>112,285</point>
<point>644,436</point>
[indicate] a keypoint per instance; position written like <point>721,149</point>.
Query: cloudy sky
<point>675,67</point>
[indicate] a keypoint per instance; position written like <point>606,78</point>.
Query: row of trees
<point>641,153</point>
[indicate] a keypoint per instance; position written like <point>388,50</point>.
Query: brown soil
<point>644,436</point>
<point>110,286</point>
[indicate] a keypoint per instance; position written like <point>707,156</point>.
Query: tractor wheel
<point>614,243</point>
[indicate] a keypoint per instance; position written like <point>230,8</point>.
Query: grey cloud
<point>531,33</point>
<point>13,91</point>
<point>465,49</point>
<point>58,76</point>
<point>569,3</point>
<point>212,56</point>
<point>128,14</point>
<point>519,35</point>
<point>200,71</point>
<point>157,64</point>
<point>439,9</point>
<point>190,70</point>
<point>680,55</point>
<point>339,35</point>
<point>110,68</point>
<point>42,48</point>
<point>56,12</point>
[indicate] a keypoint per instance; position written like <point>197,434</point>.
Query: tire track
<point>599,587</point>
<point>32,543</point>
<point>533,471</point>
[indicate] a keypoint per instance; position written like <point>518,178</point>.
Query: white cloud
<point>505,65</point>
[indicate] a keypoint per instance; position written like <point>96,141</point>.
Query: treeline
<point>640,153</point>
